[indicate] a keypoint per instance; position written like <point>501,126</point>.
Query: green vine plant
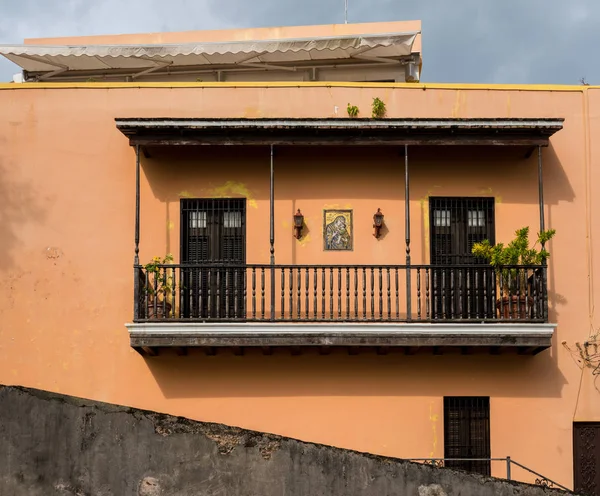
<point>515,253</point>
<point>159,282</point>
<point>377,108</point>
<point>352,110</point>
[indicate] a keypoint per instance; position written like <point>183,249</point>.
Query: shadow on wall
<point>338,374</point>
<point>18,206</point>
<point>323,173</point>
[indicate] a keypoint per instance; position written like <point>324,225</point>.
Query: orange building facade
<point>334,346</point>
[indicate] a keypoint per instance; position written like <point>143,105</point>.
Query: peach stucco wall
<point>66,239</point>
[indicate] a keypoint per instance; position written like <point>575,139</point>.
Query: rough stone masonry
<point>53,444</point>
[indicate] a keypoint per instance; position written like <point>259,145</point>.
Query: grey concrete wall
<point>52,444</point>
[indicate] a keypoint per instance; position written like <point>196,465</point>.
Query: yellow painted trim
<point>299,84</point>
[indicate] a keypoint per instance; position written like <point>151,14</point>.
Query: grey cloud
<point>479,41</point>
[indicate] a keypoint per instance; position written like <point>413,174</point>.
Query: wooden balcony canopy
<point>340,131</point>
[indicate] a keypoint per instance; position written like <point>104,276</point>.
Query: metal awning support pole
<point>407,233</point>
<point>272,234</point>
<point>136,258</point>
<point>541,189</point>
<point>542,228</point>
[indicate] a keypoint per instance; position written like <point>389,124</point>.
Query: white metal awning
<point>385,48</point>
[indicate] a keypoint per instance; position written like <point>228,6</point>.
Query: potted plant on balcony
<point>159,287</point>
<point>511,280</point>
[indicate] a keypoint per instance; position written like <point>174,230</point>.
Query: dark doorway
<point>586,458</point>
<point>459,289</point>
<point>213,245</point>
<point>467,433</point>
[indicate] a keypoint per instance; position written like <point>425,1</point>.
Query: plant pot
<point>515,307</point>
<point>163,310</point>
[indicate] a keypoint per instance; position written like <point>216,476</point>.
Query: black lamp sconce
<point>298,224</point>
<point>377,223</point>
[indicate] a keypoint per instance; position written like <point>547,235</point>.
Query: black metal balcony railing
<point>341,293</point>
<point>462,463</point>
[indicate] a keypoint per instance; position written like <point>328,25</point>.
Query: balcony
<point>378,306</point>
<point>430,306</point>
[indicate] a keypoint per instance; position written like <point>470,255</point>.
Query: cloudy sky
<point>479,41</point>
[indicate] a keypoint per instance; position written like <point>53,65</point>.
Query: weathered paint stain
<point>186,194</point>
<point>433,418</point>
<point>490,192</point>
<point>252,112</point>
<point>233,189</point>
<point>424,202</point>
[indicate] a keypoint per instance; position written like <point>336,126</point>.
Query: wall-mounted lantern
<point>298,224</point>
<point>377,223</point>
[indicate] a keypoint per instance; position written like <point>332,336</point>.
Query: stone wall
<point>60,445</point>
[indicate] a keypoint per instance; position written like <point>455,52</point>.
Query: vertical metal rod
<point>407,233</point>
<point>136,258</point>
<point>272,234</point>
<point>542,228</point>
<point>345,11</point>
<point>508,475</point>
<point>541,189</point>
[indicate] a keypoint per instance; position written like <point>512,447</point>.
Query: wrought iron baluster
<point>173,291</point>
<point>461,306</point>
<point>306,290</point>
<point>372,316</point>
<point>519,291</point>
<point>526,293</point>
<point>315,286</point>
<point>356,293</point>
<point>262,293</point>
<point>443,290</point>
<point>323,293</point>
<point>236,292</point>
<point>156,294</point>
<point>348,293</point>
<point>427,301</point>
<point>485,293</point>
<point>244,305</point>
<point>364,281</point>
<point>210,297</point>
<point>219,296</point>
<point>397,296</point>
<point>477,294</point>
<point>282,294</point>
<point>182,281</point>
<point>339,270</point>
<point>165,293</point>
<point>389,294</point>
<point>227,290</point>
<point>509,291</point>
<point>535,294</point>
<point>299,293</point>
<point>545,291</point>
<point>253,293</point>
<point>380,294</point>
<point>418,293</point>
<point>331,293</point>
<point>452,299</point>
<point>291,293</point>
<point>469,283</point>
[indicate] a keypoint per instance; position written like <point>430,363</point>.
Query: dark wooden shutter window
<point>455,225</point>
<point>213,234</point>
<point>467,433</point>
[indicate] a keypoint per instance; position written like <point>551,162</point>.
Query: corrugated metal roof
<point>49,58</point>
